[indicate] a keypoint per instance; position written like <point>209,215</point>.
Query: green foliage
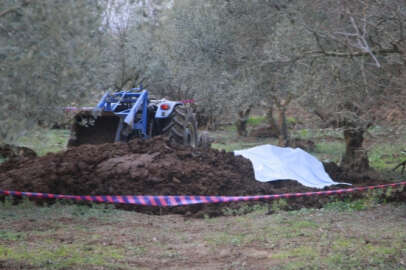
<point>225,67</point>
<point>372,199</point>
<point>279,205</point>
<point>243,209</point>
<point>231,128</point>
<point>303,133</point>
<point>256,120</point>
<point>291,121</point>
<point>346,205</point>
<point>7,203</point>
<point>11,236</point>
<point>387,155</point>
<point>49,59</point>
<point>17,202</point>
<point>131,41</point>
<point>26,203</point>
<point>93,210</point>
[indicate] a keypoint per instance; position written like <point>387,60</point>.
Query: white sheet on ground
<point>282,163</point>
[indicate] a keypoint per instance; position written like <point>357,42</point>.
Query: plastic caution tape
<point>178,200</point>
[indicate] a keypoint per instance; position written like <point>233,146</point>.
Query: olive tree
<point>50,57</point>
<point>359,53</point>
<point>132,36</point>
<point>220,50</point>
<point>194,49</point>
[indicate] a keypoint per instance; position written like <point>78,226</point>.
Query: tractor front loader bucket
<point>93,128</point>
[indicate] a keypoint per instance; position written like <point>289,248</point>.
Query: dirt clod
<point>9,151</point>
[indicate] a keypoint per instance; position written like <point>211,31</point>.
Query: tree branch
<point>353,54</point>
<point>401,165</point>
<point>14,9</point>
<point>9,10</point>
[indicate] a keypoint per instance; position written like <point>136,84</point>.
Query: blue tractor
<point>124,115</point>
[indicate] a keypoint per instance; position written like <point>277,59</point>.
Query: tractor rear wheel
<point>183,126</point>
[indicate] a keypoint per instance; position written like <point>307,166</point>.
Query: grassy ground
<point>42,142</point>
<point>360,234</point>
<point>79,237</point>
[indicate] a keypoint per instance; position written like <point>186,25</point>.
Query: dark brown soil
<point>148,167</point>
<point>8,151</point>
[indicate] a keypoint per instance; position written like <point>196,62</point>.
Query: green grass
<point>27,209</point>
<point>387,155</point>
<point>351,235</point>
<point>254,121</point>
<point>45,141</point>
<point>48,252</point>
<point>372,200</point>
<point>11,236</point>
<point>329,151</point>
<point>244,210</point>
<point>316,133</point>
<point>53,255</point>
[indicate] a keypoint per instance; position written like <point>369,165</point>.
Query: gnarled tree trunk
<point>282,106</point>
<point>355,157</point>
<point>271,122</point>
<point>284,139</point>
<point>241,123</point>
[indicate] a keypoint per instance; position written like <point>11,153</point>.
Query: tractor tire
<point>183,128</point>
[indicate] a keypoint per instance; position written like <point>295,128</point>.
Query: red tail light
<point>165,107</point>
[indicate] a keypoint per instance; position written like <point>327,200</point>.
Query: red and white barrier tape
<point>179,200</point>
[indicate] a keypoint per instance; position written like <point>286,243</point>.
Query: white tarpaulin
<point>283,163</point>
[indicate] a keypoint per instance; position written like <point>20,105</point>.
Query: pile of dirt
<point>145,167</point>
<point>140,167</point>
<point>8,151</point>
